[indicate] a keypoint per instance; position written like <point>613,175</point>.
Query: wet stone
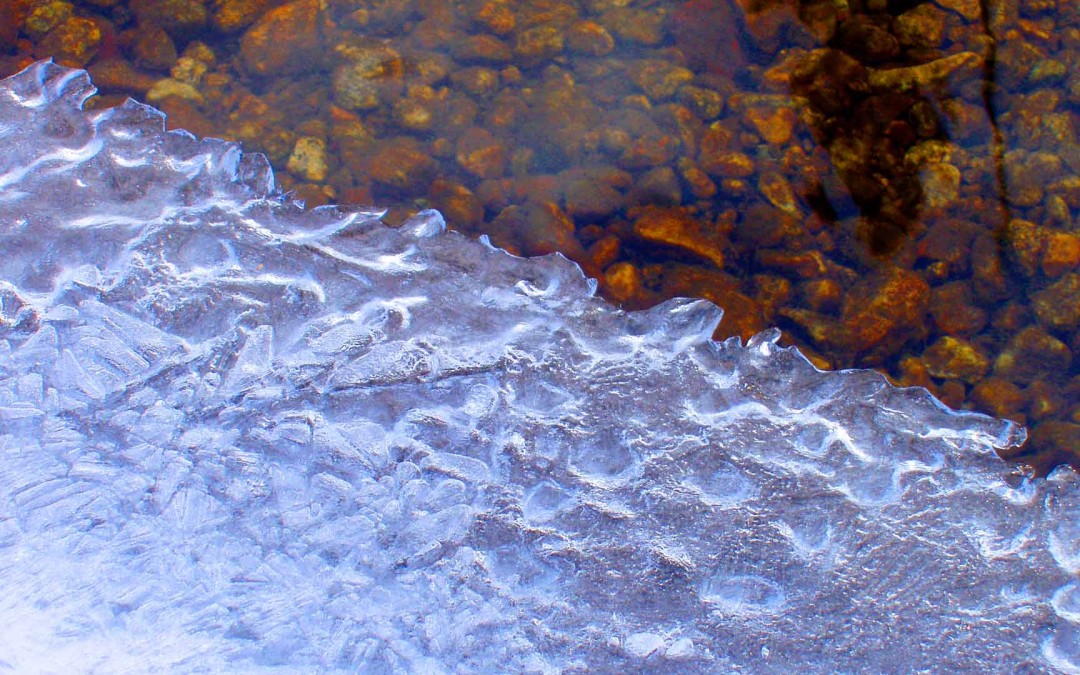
<point>658,186</point>
<point>539,44</point>
<point>590,39</point>
<point>706,104</point>
<point>725,163</point>
<point>1062,253</point>
<point>594,195</point>
<point>545,228</point>
<point>180,18</point>
<point>775,124</point>
<point>954,312</point>
<point>45,17</point>
<point>999,397</point>
<point>622,281</point>
<point>73,43</point>
<point>461,207</point>
<point>701,186</point>
<point>659,79</point>
<point>867,40</point>
<point>955,359</point>
<point>778,191</point>
<point>477,81</point>
<point>884,311</point>
<point>403,163</point>
<point>1043,400</point>
<point>285,40</point>
<point>923,26</point>
<point>497,16</point>
<point>1032,355</point>
<point>635,25</point>
<point>308,159</point>
<point>231,16</point>
<point>940,185</point>
<point>1058,305</point>
<point>168,87</point>
<point>481,154</point>
<point>1026,244</point>
<point>368,76</point>
<point>906,78</point>
<point>673,227</point>
<point>484,48</point>
<point>605,251</point>
<point>971,10</point>
<point>648,151</point>
<point>822,295</point>
<point>154,49</point>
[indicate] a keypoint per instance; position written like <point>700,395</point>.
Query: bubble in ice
<point>238,436</point>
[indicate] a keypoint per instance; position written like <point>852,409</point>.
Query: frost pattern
<point>237,436</point>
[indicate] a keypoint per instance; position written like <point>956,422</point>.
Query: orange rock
<point>285,40</point>
<point>231,16</point>
<point>183,114</point>
<point>1058,305</point>
<point>1044,400</point>
<point>647,151</point>
<point>999,397</point>
<point>486,48</point>
<point>807,264</point>
<point>590,38</point>
<point>402,163</point>
<point>822,295</point>
<point>119,75</point>
<point>913,373</point>
<point>956,359</point>
<point>673,227</point>
<point>777,189</point>
<point>953,310</point>
<point>622,283</point>
<point>883,312</point>
<point>774,125</point>
<point>1031,355</point>
<point>72,43</point>
<point>538,44</point>
<point>481,154</point>
<point>591,195</point>
<point>462,208</point>
<point>727,164</point>
<point>497,16</point>
<point>701,186</point>
<point>1062,253</point>
<point>605,251</point>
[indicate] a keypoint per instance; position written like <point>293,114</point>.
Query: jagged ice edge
<point>241,435</point>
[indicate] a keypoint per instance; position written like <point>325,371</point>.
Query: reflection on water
<point>895,183</point>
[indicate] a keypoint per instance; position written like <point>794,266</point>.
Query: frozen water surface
<point>241,437</point>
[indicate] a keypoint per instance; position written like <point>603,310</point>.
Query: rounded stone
<point>956,359</point>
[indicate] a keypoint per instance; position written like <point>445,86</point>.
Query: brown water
<point>894,184</point>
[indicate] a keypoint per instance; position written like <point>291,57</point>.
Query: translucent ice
<point>240,437</point>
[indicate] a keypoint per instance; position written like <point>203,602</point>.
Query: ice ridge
<point>237,436</point>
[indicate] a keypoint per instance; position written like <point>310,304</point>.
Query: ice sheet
<point>236,436</point>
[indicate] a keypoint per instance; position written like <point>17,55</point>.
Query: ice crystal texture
<point>236,436</point>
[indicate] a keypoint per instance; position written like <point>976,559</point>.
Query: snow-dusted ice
<point>240,437</point>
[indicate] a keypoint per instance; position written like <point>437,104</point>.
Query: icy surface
<point>240,437</point>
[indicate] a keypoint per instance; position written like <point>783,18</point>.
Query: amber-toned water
<point>894,184</point>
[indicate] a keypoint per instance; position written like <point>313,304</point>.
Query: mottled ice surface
<point>240,437</point>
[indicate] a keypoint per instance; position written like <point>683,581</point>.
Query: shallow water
<point>894,184</point>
